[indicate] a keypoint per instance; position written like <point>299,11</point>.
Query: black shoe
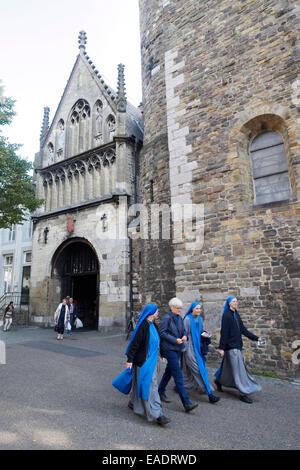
<point>190,406</point>
<point>165,399</point>
<point>213,399</point>
<point>218,385</point>
<point>130,405</point>
<point>245,399</point>
<point>162,420</point>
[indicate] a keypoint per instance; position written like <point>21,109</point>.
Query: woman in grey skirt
<point>194,369</point>
<point>233,371</point>
<point>141,371</point>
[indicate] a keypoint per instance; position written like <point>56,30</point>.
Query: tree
<point>17,192</point>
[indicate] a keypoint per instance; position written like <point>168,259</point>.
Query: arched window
<point>79,127</point>
<point>50,154</point>
<point>270,171</point>
<point>60,139</point>
<point>111,126</point>
<point>80,111</point>
<point>98,123</point>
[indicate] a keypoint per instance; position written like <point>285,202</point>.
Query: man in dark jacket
<point>173,336</point>
<point>73,311</point>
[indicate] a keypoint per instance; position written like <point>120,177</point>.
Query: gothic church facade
<point>85,172</point>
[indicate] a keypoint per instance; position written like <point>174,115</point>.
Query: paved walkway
<point>58,395</point>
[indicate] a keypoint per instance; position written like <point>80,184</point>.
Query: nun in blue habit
<point>194,369</point>
<point>140,376</point>
<point>233,371</point>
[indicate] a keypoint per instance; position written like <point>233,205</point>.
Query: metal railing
<point>21,307</point>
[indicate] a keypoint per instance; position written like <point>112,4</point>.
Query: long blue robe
<point>124,381</point>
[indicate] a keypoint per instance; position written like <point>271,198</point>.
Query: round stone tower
<point>221,101</point>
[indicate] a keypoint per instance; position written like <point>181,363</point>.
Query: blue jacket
<point>169,331</point>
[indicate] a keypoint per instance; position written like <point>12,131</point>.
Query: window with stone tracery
<point>79,127</point>
<point>80,111</point>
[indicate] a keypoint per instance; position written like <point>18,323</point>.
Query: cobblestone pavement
<point>58,395</point>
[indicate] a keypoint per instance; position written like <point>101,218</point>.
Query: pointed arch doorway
<point>75,264</point>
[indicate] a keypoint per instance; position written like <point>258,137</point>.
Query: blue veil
<point>192,306</point>
<point>226,307</point>
<point>150,309</point>
<point>196,329</point>
<point>124,381</point>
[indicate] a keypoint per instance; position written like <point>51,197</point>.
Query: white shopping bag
<point>79,323</point>
<point>69,328</point>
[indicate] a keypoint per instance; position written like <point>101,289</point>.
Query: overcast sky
<point>39,46</point>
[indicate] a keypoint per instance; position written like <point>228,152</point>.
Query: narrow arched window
<point>79,127</point>
<point>270,171</point>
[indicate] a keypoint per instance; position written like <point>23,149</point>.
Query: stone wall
<point>111,250</point>
<point>214,77</point>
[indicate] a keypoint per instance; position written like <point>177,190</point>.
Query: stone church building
<point>221,133</point>
<point>222,80</point>
<point>85,172</point>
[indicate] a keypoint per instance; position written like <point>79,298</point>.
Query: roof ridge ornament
<point>82,39</point>
<point>45,124</point>
<point>121,95</point>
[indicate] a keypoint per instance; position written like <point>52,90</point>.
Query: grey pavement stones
<point>61,349</point>
<point>58,395</point>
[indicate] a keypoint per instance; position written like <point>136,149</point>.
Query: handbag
<point>123,382</point>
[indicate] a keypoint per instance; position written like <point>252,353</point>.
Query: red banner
<point>70,224</point>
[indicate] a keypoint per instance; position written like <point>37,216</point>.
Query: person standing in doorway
<point>72,311</point>
<point>8,315</point>
<point>173,336</point>
<point>61,318</point>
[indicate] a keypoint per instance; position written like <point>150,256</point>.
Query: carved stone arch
<point>47,179</point>
<point>81,167</point>
<point>108,157</point>
<point>75,268</point>
<point>95,161</point>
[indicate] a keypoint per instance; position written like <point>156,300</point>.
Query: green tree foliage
<point>17,193</point>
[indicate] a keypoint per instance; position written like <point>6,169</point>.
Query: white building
<point>15,261</point>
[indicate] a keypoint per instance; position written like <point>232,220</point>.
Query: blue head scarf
<point>192,306</point>
<point>123,382</point>
<point>150,309</point>
<point>226,306</point>
<point>196,329</point>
